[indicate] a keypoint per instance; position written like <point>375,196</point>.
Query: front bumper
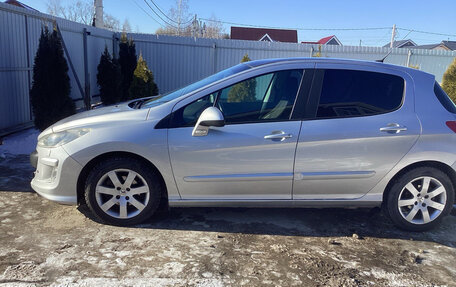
<point>34,159</point>
<point>56,175</point>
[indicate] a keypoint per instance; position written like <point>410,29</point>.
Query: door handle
<point>278,135</point>
<point>393,128</point>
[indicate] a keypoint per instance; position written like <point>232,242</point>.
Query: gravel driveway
<point>44,243</point>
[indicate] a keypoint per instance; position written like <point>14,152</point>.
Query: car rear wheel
<point>122,191</point>
<point>420,198</point>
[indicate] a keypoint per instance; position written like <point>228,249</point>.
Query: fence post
<point>29,67</point>
<point>87,97</point>
<point>214,69</point>
<point>69,58</point>
<point>409,54</point>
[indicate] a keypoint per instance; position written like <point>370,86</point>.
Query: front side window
<point>351,93</point>
<point>268,97</point>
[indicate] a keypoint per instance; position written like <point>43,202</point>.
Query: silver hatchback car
<point>268,133</point>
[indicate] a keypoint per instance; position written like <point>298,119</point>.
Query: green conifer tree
<point>127,61</point>
<point>143,84</point>
<point>243,91</point>
<point>109,79</point>
<point>449,81</point>
<point>50,92</point>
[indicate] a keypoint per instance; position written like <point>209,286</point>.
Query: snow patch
<point>157,282</point>
<point>23,142</point>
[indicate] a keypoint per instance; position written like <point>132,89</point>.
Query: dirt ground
<point>44,243</point>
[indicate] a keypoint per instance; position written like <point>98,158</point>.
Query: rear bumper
<point>56,175</point>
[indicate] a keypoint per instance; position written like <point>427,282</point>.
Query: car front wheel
<point>122,191</point>
<point>420,198</point>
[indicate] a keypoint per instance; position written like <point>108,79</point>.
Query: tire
<point>420,198</point>
<point>122,191</point>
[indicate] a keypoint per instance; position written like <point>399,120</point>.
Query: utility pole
<point>98,13</point>
<point>393,35</point>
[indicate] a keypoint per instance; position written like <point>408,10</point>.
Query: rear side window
<point>350,93</point>
<point>446,102</point>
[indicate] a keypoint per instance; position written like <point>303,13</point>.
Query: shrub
<point>143,84</point>
<point>108,79</point>
<point>50,92</point>
<point>245,58</point>
<point>127,61</point>
<point>318,54</point>
<point>449,81</point>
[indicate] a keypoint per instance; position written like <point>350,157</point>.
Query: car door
<point>364,123</point>
<point>252,156</point>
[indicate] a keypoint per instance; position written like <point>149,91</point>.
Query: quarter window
<point>446,102</point>
<point>188,115</point>
<point>350,93</point>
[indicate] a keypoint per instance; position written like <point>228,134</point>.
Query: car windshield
<point>204,82</point>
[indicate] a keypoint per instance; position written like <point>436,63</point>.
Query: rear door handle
<point>393,128</point>
<point>278,135</point>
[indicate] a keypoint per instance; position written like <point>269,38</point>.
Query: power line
<point>274,27</point>
<point>383,39</point>
<point>169,18</point>
<point>301,29</point>
<point>153,10</point>
<point>329,29</point>
<point>134,1</point>
<point>425,32</point>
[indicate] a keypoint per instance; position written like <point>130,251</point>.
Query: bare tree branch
<point>81,11</point>
<point>180,24</point>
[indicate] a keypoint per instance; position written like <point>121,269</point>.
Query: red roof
<point>322,41</point>
<point>19,4</point>
<point>256,34</point>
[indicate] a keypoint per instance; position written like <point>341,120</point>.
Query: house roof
<point>266,37</point>
<point>324,40</point>
<point>256,34</point>
<point>20,4</point>
<point>450,44</point>
<point>428,46</point>
<point>400,43</point>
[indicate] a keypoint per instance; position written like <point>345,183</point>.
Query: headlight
<point>61,138</point>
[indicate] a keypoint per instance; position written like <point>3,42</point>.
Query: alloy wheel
<point>122,193</point>
<point>422,200</point>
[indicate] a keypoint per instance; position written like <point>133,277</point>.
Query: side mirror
<point>210,117</point>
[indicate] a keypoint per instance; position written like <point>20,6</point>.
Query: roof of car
<point>257,63</point>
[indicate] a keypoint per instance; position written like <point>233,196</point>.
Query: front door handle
<point>393,128</point>
<point>278,135</point>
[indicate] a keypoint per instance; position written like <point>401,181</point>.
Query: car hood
<point>118,113</point>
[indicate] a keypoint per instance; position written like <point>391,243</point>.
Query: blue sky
<point>431,16</point>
